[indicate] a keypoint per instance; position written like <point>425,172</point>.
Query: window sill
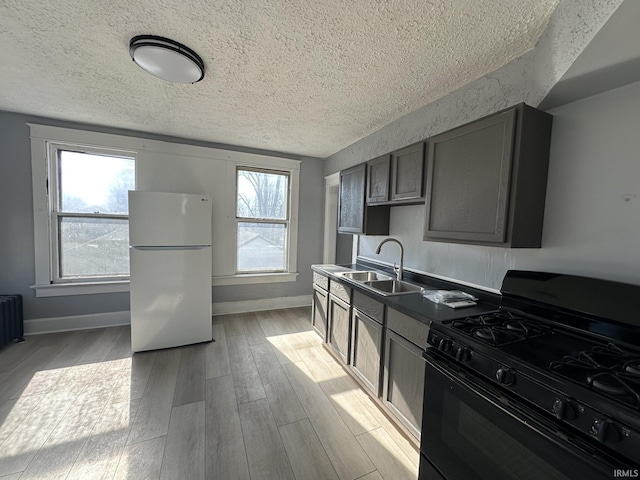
<point>254,278</point>
<point>84,288</point>
<point>91,288</point>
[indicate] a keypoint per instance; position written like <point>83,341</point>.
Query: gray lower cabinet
<point>339,327</point>
<point>366,350</point>
<point>320,310</point>
<point>403,386</point>
<point>379,347</point>
<point>404,366</point>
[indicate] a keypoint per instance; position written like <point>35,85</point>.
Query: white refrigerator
<point>170,269</point>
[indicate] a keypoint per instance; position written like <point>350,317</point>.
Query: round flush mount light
<point>166,59</point>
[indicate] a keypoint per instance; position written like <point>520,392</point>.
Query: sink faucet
<point>397,269</point>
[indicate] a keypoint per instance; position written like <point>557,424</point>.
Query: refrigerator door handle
<point>172,247</point>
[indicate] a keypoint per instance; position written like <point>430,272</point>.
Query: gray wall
<point>592,214</point>
<point>16,226</point>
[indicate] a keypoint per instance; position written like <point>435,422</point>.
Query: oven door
<point>470,430</point>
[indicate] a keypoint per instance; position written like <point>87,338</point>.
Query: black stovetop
<point>606,369</point>
<point>603,367</point>
<point>575,329</point>
<point>501,328</point>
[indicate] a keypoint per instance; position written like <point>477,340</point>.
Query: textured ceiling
<point>298,76</point>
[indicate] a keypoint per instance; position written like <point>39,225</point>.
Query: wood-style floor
<point>264,401</point>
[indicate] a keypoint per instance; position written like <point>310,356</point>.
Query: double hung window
<point>262,220</point>
<point>88,204</point>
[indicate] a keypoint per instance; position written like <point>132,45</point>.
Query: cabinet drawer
<point>321,280</point>
<point>410,328</point>
<point>369,306</point>
<point>341,291</point>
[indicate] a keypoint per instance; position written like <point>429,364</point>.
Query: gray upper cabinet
<point>407,173</point>
<point>486,180</point>
<point>353,214</point>
<point>378,179</point>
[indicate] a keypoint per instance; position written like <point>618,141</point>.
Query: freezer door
<point>170,297</point>
<point>165,219</point>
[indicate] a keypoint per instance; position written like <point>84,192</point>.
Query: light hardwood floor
<point>264,401</point>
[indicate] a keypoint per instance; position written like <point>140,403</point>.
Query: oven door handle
<point>509,406</point>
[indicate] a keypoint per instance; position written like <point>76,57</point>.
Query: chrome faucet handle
<point>396,269</point>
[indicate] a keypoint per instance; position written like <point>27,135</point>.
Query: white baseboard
<point>37,326</point>
<point>225,308</point>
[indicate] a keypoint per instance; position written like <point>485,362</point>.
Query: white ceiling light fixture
<point>166,59</point>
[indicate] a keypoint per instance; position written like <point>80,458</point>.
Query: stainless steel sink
<point>392,287</point>
<point>364,276</point>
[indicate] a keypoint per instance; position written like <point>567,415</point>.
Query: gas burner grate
<point>500,328</point>
<point>606,369</point>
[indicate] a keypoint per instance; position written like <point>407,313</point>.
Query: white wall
<point>203,170</point>
<point>17,270</point>
<point>592,214</point>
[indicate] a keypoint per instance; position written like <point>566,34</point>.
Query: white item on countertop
<point>450,298</point>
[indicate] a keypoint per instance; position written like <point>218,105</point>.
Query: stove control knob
<point>605,431</point>
<point>444,345</point>
<point>505,376</point>
<point>564,409</point>
<point>463,354</point>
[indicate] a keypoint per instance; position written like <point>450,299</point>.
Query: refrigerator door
<point>170,297</point>
<point>166,219</point>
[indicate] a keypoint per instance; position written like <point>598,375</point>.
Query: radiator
<point>11,319</point>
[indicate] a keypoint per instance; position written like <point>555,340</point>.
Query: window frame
<point>150,154</point>
<point>269,221</point>
<point>56,213</point>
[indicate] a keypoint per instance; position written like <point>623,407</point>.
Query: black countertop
<point>415,305</point>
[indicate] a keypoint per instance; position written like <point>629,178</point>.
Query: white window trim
<point>53,207</point>
<point>293,169</point>
<point>41,135</point>
<point>286,221</point>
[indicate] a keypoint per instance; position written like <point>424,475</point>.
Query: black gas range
<point>548,386</point>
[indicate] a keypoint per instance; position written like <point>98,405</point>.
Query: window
<point>80,181</point>
<point>262,220</point>
<point>88,203</point>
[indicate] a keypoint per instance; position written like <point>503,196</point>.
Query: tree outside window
<point>90,213</point>
<point>262,214</point>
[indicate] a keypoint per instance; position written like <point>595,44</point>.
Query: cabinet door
<point>403,388</point>
<point>366,349</point>
<point>468,180</point>
<point>319,312</point>
<point>378,179</point>
<point>339,327</point>
<point>354,216</point>
<point>407,167</point>
<point>351,201</point>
